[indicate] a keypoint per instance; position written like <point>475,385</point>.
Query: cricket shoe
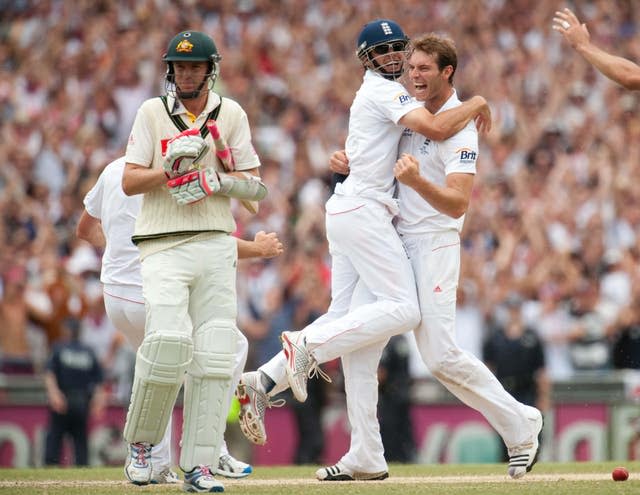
<point>522,457</point>
<point>253,405</point>
<point>230,467</point>
<point>339,472</point>
<point>137,467</point>
<point>301,365</point>
<point>165,477</point>
<point>200,480</point>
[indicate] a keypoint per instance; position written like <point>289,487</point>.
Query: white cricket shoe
<point>230,467</point>
<point>200,480</point>
<point>301,365</point>
<point>340,472</point>
<point>165,477</point>
<point>253,405</point>
<point>522,457</point>
<point>137,467</point>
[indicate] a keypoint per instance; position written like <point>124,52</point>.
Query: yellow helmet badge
<point>185,46</point>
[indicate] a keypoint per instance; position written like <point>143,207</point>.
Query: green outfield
<point>485,479</point>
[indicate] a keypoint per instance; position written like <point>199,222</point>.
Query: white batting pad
<point>206,392</point>
<point>161,362</point>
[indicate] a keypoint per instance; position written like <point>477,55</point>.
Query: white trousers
<point>365,249</point>
<point>124,305</point>
<point>436,262</point>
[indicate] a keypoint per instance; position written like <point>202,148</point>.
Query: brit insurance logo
<point>403,98</point>
<point>467,155</point>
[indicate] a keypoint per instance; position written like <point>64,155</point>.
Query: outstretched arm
<point>618,69</point>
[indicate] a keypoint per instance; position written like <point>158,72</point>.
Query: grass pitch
<point>477,479</point>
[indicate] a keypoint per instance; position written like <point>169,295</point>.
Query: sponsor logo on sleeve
<point>467,155</point>
<point>403,98</point>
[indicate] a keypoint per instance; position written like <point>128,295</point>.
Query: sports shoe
<point>524,456</point>
<point>165,477</point>
<point>230,467</point>
<point>253,405</point>
<point>301,365</point>
<point>200,480</point>
<point>339,472</point>
<point>137,467</point>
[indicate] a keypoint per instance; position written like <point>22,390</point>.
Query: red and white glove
<point>194,186</point>
<point>184,151</point>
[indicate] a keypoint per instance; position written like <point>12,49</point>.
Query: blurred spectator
<point>396,427</point>
<point>624,334</point>
<point>16,309</point>
<point>589,348</point>
<point>514,353</point>
<point>74,390</point>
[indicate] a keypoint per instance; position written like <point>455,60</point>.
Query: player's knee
<point>450,366</point>
<point>410,315</point>
<point>215,348</point>
<point>163,357</point>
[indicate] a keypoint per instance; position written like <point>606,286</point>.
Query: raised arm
<point>618,69</point>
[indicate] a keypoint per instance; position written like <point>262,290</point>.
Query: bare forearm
<point>90,230</point>
<point>248,249</point>
<point>452,121</point>
<point>139,180</point>
<point>446,200</point>
<point>618,69</point>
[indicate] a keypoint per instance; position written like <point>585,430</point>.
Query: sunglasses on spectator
<point>396,46</point>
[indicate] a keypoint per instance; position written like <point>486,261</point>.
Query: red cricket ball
<point>620,474</point>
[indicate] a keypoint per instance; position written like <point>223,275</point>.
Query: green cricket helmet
<point>191,46</point>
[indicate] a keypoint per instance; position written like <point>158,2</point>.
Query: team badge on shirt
<point>424,147</point>
<point>467,155</point>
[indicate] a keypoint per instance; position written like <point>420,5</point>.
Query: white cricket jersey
<point>458,154</point>
<point>372,144</point>
<point>117,212</point>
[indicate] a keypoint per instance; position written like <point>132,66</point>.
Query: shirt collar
<point>177,107</point>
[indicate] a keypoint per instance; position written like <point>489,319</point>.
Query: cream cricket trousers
<point>124,305</point>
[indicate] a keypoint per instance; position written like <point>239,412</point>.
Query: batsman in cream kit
<point>188,258</point>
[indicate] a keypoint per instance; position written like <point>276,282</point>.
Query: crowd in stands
<point>555,213</point>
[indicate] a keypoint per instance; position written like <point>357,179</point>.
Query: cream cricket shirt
<point>161,219</point>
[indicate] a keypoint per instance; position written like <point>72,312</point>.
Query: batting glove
<point>184,151</point>
<point>194,186</point>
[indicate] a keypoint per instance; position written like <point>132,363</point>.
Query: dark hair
<point>443,48</point>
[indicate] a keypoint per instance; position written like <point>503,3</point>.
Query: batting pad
<point>206,393</point>
<point>161,362</point>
